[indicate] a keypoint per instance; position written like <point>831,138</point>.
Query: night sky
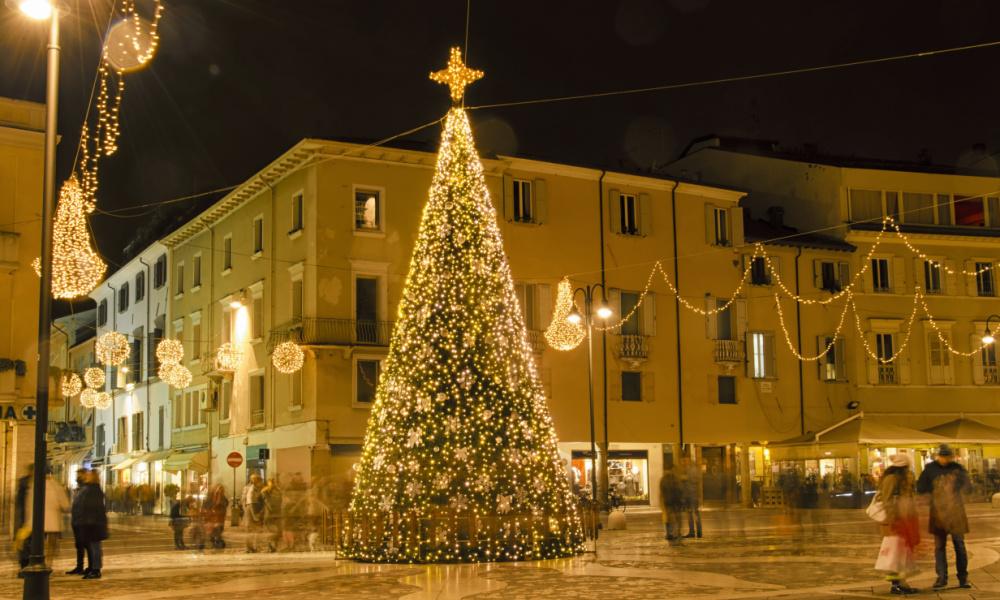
<point>235,83</point>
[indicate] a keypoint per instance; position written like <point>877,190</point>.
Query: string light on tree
<point>288,357</point>
<point>460,430</point>
<point>561,334</point>
<point>94,377</point>
<point>71,385</point>
<point>111,349</point>
<point>228,357</point>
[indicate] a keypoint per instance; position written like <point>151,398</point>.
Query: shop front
<point>634,471</point>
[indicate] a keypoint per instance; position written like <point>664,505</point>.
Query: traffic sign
<point>234,459</point>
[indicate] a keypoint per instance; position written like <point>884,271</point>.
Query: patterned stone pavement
<point>745,554</point>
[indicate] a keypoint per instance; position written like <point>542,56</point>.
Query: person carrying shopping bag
<point>900,527</point>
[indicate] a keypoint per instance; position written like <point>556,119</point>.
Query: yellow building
<point>21,150</point>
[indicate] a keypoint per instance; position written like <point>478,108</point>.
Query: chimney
<point>776,216</point>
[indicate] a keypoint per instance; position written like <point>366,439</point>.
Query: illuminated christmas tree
<point>460,460</point>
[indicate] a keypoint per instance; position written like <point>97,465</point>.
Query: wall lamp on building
<point>988,335</point>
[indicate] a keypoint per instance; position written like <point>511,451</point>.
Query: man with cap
<point>945,481</point>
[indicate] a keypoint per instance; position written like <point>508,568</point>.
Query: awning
<point>872,431</point>
<point>128,462</point>
<point>180,461</point>
<point>155,456</point>
<point>70,456</point>
<point>967,431</point>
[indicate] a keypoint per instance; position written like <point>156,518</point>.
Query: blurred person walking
<point>273,514</point>
<point>56,503</point>
<point>214,509</point>
<point>900,527</point>
<point>945,481</point>
<point>672,500</point>
<point>90,514</point>
<point>81,548</point>
<point>22,526</point>
<point>253,516</point>
<point>692,501</point>
<point>178,521</point>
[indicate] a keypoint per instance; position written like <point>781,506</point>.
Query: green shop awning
<point>182,461</point>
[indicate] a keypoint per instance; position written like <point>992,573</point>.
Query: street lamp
<point>36,574</point>
<point>988,335</point>
<point>602,312</point>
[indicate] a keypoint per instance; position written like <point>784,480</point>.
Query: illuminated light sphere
<point>288,357</point>
<point>175,375</point>
<point>71,385</point>
<point>228,357</point>
<point>170,351</point>
<point>111,348</point>
<point>562,333</point>
<point>94,377</point>
<point>36,9</point>
<point>132,42</point>
<point>88,398</point>
<point>76,267</point>
<point>102,401</point>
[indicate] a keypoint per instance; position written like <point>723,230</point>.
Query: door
<point>714,476</point>
<point>365,298</point>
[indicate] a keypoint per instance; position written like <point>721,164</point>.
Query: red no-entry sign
<point>234,459</point>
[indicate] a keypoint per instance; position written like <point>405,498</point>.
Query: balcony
<point>991,375</point>
<point>333,332</point>
<point>728,353</point>
<point>886,374</point>
<point>536,339</point>
<point>633,348</point>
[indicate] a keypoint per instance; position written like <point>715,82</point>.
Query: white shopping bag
<point>895,556</point>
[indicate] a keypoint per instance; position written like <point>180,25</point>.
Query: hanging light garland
<point>287,357</point>
<point>102,401</point>
<point>76,267</point>
<point>94,377</point>
<point>228,357</point>
<point>70,385</point>
<point>561,334</point>
<point>112,348</point>
<point>88,398</point>
<point>175,375</point>
<point>170,351</point>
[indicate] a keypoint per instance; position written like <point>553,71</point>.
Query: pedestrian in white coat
<point>56,504</point>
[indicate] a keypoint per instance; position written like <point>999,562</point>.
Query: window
<point>178,410</point>
<point>140,286</point>
<point>257,398</point>
<point>257,308</point>
<point>993,208</point>
<point>523,202</point>
<point>761,355</point>
<point>984,279</point>
<point>631,386</point>
<point>160,425</point>
<point>892,205</point>
<point>365,308</point>
<point>227,253</point>
<point>832,366</point>
<point>866,205</point>
<point>196,268</point>
<point>135,357</point>
<point>297,220</point>
<point>988,359</point>
<point>180,278</point>
<point>367,375</point>
<point>153,363</point>
<point>138,435</point>
<point>724,321</point>
<point>944,209</point>
<point>628,213</point>
<point>121,435</point>
<point>629,302</point>
<point>526,294</point>
<point>102,313</point>
<point>759,274</point>
<point>938,359</point>
<point>932,277</point>
<point>258,235</point>
<point>367,210</point>
<point>830,275</point>
<point>880,275</point>
<point>918,208</point>
<point>100,440</point>
<point>297,298</point>
<point>884,345</point>
<point>195,337</point>
<point>160,271</point>
<point>123,297</point>
<point>720,226</point>
<point>727,389</point>
<point>969,211</point>
<point>226,400</point>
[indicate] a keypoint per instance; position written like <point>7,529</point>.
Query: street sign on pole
<point>234,459</point>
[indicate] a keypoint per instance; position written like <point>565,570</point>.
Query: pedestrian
<point>273,513</point>
<point>194,505</point>
<point>81,548</point>
<point>672,499</point>
<point>945,481</point>
<point>692,501</point>
<point>253,516</point>
<point>91,515</point>
<point>215,515</point>
<point>900,529</point>
<point>56,503</point>
<point>178,521</point>
<point>22,527</point>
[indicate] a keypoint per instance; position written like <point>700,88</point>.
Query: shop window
<point>727,389</point>
<point>628,474</point>
<point>632,386</point>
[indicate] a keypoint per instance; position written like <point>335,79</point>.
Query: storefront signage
<point>13,412</point>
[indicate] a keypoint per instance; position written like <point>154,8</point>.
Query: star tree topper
<point>456,75</point>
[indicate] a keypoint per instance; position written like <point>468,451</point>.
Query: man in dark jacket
<point>672,498</point>
<point>77,541</point>
<point>91,517</point>
<point>945,481</point>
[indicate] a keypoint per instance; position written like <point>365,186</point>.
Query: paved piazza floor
<point>745,554</point>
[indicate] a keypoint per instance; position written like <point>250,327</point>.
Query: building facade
<point>71,426</point>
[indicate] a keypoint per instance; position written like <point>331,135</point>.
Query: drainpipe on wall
<point>145,342</point>
<point>113,307</point>
<point>677,319</point>
<point>798,336</point>
<point>603,481</point>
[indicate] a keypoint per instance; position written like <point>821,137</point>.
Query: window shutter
<point>843,274</point>
<point>709,224</point>
<point>712,391</point>
<point>970,280</point>
<point>904,365</point>
<point>869,361</point>
<point>540,201</point>
<point>818,274</point>
<point>615,385</point>
<point>649,314</point>
<point>950,281</point>
<point>949,364</point>
<point>736,226</point>
<point>741,318</point>
<point>508,197</point>
<point>820,346</point>
<point>615,211</point>
<point>648,390</point>
<point>918,273</point>
<point>645,214</point>
<point>775,270</point>
<point>840,346</point>
<point>543,305</point>
<point>978,376</point>
<point>711,321</point>
<point>770,355</point>
<point>749,359</point>
<point>899,275</point>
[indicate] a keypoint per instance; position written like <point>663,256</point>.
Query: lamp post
<point>36,574</point>
<point>987,334</point>
<point>602,312</point>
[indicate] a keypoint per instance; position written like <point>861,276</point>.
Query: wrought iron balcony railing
<point>633,347</point>
<point>536,339</point>
<point>334,332</point>
<point>728,352</point>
